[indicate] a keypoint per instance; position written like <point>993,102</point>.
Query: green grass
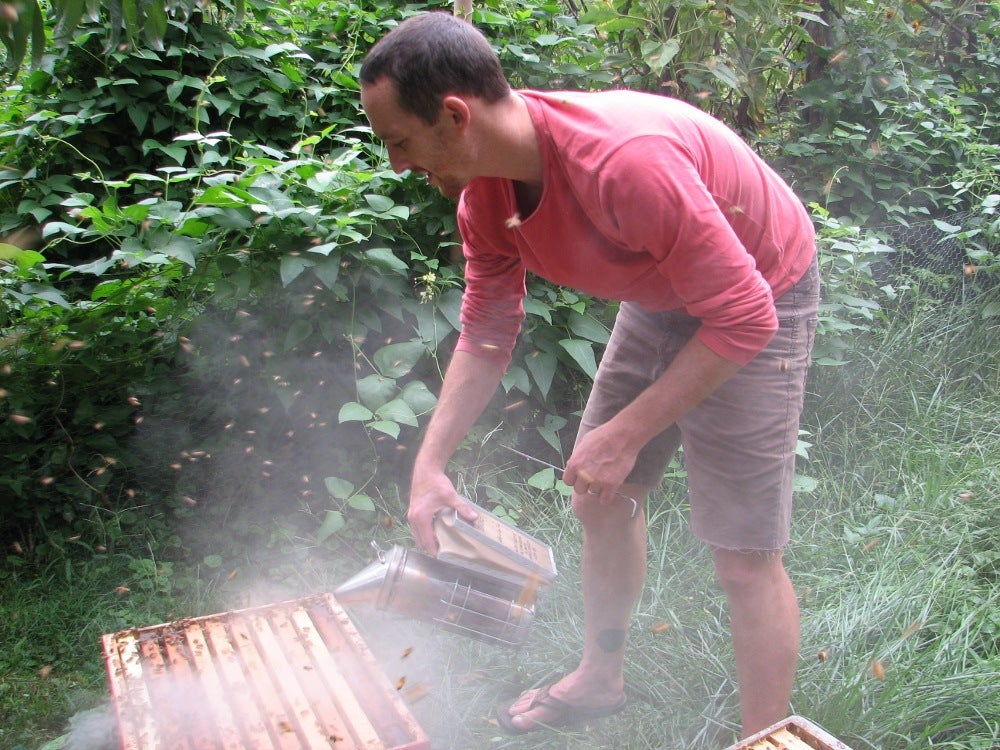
<point>895,557</point>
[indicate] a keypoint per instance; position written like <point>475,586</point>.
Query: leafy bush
<point>246,199</point>
<point>897,123</point>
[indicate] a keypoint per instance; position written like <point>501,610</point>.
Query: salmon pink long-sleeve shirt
<point>645,199</point>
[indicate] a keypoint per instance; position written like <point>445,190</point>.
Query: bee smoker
<point>455,598</point>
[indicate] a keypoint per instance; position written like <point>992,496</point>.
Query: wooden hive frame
<point>794,733</point>
<point>290,675</point>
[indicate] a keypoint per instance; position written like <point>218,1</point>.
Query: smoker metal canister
<point>455,598</point>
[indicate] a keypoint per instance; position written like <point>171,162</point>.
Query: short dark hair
<point>432,55</point>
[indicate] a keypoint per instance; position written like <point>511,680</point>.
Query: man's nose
<point>398,162</point>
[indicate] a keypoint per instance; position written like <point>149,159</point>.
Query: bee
<point>878,670</point>
<point>838,57</point>
<point>529,593</point>
<point>822,656</point>
<point>406,652</point>
<point>415,692</point>
<point>401,683</point>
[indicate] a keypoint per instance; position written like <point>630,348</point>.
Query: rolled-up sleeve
<point>493,302</point>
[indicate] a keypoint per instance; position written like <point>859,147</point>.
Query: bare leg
<point>765,621</point>
<point>614,568</point>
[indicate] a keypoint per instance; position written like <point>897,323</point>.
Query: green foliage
<point>737,60</point>
<point>850,266</point>
<point>246,190</point>
<point>900,119</point>
<point>140,22</point>
<point>140,232</point>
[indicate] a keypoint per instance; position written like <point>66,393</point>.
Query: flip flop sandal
<point>563,714</point>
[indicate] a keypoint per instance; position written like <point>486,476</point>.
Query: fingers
<point>466,511</point>
<point>587,484</point>
<point>429,498</point>
<point>422,528</point>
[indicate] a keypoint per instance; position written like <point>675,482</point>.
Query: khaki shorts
<point>739,443</point>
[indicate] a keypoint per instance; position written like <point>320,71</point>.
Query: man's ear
<point>457,110</point>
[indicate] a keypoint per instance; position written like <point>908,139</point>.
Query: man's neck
<point>508,144</point>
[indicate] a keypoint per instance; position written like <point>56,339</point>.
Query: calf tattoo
<point>611,640</point>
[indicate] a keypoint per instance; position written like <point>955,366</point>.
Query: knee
<point>747,572</point>
<point>594,514</point>
<point>590,512</point>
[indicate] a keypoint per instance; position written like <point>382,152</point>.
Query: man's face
<point>413,144</point>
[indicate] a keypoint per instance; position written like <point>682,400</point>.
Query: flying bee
<point>415,692</point>
<point>878,670</point>
<point>529,593</point>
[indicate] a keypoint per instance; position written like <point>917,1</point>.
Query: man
<point>652,202</point>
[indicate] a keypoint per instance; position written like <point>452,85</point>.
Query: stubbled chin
<point>449,188</point>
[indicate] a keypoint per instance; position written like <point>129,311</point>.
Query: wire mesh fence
<point>957,249</point>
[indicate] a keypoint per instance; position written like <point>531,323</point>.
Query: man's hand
<point>600,463</point>
<point>468,386</point>
<point>604,457</point>
<point>431,494</point>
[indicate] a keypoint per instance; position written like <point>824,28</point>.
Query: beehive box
<point>794,733</point>
<point>289,675</point>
